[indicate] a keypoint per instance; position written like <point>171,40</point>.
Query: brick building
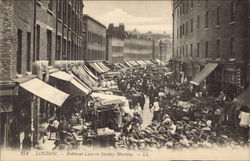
<point>212,36</point>
<point>35,35</point>
<point>115,43</point>
<point>94,43</point>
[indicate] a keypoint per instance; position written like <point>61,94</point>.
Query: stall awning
<point>108,99</point>
<point>45,91</point>
<point>80,86</point>
<point>244,98</point>
<point>104,66</point>
<point>130,65</point>
<point>204,73</point>
<point>69,77</point>
<point>89,72</point>
<point>62,76</point>
<point>97,68</point>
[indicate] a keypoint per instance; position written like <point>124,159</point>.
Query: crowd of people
<point>182,117</point>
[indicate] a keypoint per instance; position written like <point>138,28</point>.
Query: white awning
<point>45,91</point>
<point>80,86</point>
<point>62,75</point>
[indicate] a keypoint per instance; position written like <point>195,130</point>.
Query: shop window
<point>28,67</point>
<point>19,52</point>
<point>49,46</point>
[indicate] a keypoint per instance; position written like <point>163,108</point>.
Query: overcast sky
<point>155,16</point>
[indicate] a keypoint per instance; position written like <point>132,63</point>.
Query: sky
<point>144,15</point>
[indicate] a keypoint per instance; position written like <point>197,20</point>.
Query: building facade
<point>35,35</point>
<point>115,43</point>
<point>94,44</point>
<point>216,32</point>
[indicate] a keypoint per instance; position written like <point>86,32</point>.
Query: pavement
<point>147,115</point>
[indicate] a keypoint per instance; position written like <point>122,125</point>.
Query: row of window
<point>95,54</point>
<point>183,51</point>
<point>184,7</point>
<point>184,28</point>
<point>137,47</point>
<point>66,55</point>
<point>95,38</point>
<point>71,17</point>
<point>70,51</point>
<point>117,49</point>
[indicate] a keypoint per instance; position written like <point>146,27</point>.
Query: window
<point>232,48</point>
<point>206,48</point>
<point>192,4</point>
<point>64,55</point>
<point>19,52</point>
<point>49,46</point>
<point>59,10</point>
<point>177,33</point>
<point>64,12</point>
<point>186,50</point>
<point>191,50</point>
<point>181,10</point>
<point>184,9</point>
<point>187,7</point>
<point>68,51</point>
<point>198,50</point>
<point>218,48</point>
<point>198,21</point>
<point>28,52</point>
<point>58,47</point>
<point>186,27</point>
<point>50,5</point>
<point>191,25</point>
<point>218,16</point>
<point>69,15</point>
<point>206,21</point>
<point>37,42</point>
<point>233,5</point>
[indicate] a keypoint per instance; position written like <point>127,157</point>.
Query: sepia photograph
<point>124,80</point>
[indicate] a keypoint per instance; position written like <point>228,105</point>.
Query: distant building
<point>137,47</point>
<point>127,45</point>
<point>115,43</point>
<point>94,44</point>
<point>212,36</point>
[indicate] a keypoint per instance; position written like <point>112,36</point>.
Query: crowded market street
<point>143,108</point>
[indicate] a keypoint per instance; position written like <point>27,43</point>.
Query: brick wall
<point>7,41</point>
